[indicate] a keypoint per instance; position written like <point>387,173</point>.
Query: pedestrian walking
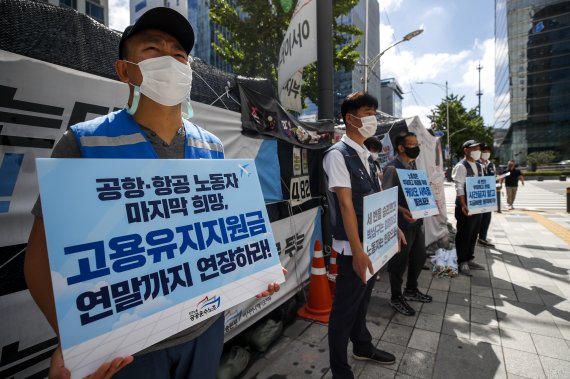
<point>511,181</point>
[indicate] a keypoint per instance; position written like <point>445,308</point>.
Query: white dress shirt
<point>459,175</point>
<point>338,176</point>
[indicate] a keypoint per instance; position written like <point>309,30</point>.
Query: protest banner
<point>481,194</point>
<point>418,193</point>
<point>380,224</point>
<point>141,249</point>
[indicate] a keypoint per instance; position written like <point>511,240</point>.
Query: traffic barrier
<point>319,304</point>
<point>333,272</point>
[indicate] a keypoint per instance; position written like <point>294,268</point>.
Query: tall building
<point>391,96</point>
<point>347,82</point>
<point>96,9</point>
<point>532,77</point>
<point>138,7</point>
<point>198,15</point>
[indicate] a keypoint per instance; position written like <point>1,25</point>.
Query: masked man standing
<point>488,170</point>
<point>467,225</point>
<point>153,61</point>
<point>413,255</point>
<point>350,176</point>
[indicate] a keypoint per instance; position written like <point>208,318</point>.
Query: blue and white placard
<point>481,195</point>
<point>142,249</point>
<point>418,193</point>
<point>380,226</point>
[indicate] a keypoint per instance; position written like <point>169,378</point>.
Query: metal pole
<point>366,46</point>
<point>448,133</point>
<point>325,58</point>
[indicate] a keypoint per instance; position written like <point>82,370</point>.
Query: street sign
<point>439,134</point>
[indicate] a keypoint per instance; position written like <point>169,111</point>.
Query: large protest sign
<point>141,249</point>
<point>380,226</point>
<point>418,193</point>
<point>481,194</point>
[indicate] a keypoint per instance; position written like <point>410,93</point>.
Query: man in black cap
<point>153,61</point>
<point>488,170</point>
<point>467,225</point>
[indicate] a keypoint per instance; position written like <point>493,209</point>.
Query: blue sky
<point>458,34</point>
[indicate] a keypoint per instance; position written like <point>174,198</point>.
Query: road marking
<point>560,231</point>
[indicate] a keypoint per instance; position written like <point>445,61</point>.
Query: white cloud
<point>418,110</point>
<point>389,5</point>
<point>485,54</point>
<point>433,12</point>
<point>119,14</point>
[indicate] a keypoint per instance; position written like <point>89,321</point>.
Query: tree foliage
<point>253,40</point>
<point>463,124</point>
<point>542,157</point>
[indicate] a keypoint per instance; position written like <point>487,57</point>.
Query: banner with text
<point>481,194</point>
<point>380,227</point>
<point>418,193</point>
<point>140,250</point>
<point>299,47</point>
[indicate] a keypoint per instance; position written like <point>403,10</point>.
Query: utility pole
<point>366,46</point>
<point>479,93</point>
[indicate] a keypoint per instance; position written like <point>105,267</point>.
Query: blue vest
<point>117,135</point>
<point>362,184</point>
<point>469,173</point>
<point>402,223</point>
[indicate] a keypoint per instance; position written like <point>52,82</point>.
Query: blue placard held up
<point>380,226</point>
<point>418,193</point>
<point>481,194</point>
<point>142,249</point>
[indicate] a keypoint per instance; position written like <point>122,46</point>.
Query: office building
<point>532,77</point>
<point>96,9</point>
<point>391,96</point>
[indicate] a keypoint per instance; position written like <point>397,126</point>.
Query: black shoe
<point>475,266</point>
<point>416,295</point>
<point>400,305</point>
<point>376,355</point>
<point>485,242</point>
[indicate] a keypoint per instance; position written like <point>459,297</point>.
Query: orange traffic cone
<point>319,306</point>
<point>333,272</point>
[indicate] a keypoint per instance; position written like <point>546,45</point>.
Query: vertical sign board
<point>380,224</point>
<point>142,249</point>
<point>481,194</point>
<point>418,193</point>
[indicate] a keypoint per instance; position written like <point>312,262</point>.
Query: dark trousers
<point>348,318</point>
<point>412,256</point>
<point>466,237</point>
<point>485,222</point>
<point>195,359</point>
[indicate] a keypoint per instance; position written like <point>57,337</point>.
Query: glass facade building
<point>532,77</point>
<point>347,82</point>
<point>391,99</point>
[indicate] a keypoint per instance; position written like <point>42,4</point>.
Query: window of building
<point>95,11</point>
<point>68,3</point>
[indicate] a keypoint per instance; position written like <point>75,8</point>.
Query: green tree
<point>463,124</point>
<point>542,157</point>
<point>253,42</point>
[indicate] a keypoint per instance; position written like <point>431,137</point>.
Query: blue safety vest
<point>117,135</point>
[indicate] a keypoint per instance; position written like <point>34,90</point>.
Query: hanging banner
<point>265,116</point>
<point>418,193</point>
<point>145,250</point>
<point>380,227</point>
<point>299,47</point>
<point>295,237</point>
<point>481,194</point>
<point>387,153</point>
<point>290,93</point>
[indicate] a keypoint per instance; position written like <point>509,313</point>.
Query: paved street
<point>510,321</point>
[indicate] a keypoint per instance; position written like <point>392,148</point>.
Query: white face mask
<point>165,80</point>
<point>369,126</point>
<point>374,156</point>
<point>485,156</point>
<point>475,154</point>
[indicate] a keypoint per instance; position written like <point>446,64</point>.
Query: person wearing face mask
<point>153,61</point>
<point>488,170</point>
<point>413,255</point>
<point>374,146</point>
<point>467,225</point>
<point>350,175</point>
<point>512,182</point>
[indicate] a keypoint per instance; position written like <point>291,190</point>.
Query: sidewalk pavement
<point>511,320</point>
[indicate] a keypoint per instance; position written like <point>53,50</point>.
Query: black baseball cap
<point>165,19</point>
<point>471,143</point>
